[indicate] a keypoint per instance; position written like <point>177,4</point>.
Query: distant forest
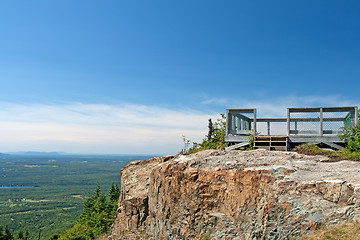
<point>46,194</point>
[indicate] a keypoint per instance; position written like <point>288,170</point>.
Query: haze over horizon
<point>132,77</point>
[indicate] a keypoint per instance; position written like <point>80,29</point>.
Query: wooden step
<point>239,145</point>
<point>278,143</point>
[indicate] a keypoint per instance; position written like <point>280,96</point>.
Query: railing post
<point>288,122</point>
<point>227,122</point>
<point>268,128</point>
<point>254,122</point>
<point>321,122</point>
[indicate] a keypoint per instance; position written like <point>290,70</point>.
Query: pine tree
<point>97,216</point>
<point>20,235</point>
<point>117,192</point>
<point>98,190</point>
<point>114,192</point>
<point>8,235</point>
<point>26,237</point>
<point>211,130</point>
<point>2,235</point>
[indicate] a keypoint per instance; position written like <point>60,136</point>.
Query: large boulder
<point>235,195</point>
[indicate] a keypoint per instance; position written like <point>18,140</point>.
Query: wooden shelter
<point>320,125</point>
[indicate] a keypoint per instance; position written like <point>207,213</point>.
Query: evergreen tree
<point>20,235</point>
<point>54,237</point>
<point>26,237</point>
<point>8,235</point>
<point>114,192</point>
<point>97,216</point>
<point>211,130</point>
<point>98,190</point>
<point>2,235</point>
<point>215,138</point>
<point>117,192</point>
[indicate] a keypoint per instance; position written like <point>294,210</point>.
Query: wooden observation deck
<point>320,125</point>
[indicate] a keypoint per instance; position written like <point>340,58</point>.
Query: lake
<point>8,187</point>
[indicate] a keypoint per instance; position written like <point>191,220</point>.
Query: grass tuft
<point>343,154</point>
<point>205,237</point>
<point>346,231</point>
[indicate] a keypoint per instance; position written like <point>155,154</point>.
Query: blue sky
<point>94,76</point>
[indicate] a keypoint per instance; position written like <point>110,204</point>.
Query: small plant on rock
<point>351,136</point>
<point>214,140</point>
<point>205,236</point>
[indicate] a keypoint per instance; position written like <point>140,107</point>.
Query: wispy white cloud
<point>216,101</point>
<point>98,128</point>
<point>277,107</point>
<point>127,128</point>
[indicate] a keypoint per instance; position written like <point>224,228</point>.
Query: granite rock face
<point>235,195</point>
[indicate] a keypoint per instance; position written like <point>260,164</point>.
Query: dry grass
<point>315,150</point>
<point>346,231</point>
<point>343,154</point>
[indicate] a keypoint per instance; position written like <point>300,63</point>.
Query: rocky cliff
<point>235,195</point>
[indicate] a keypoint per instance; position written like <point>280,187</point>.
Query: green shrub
<point>350,155</point>
<point>351,136</point>
<point>344,154</point>
<point>214,140</point>
<point>311,149</point>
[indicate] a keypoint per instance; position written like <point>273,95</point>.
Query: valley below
<point>45,193</point>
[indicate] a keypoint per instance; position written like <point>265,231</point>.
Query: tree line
<point>96,219</point>
<point>97,216</point>
<point>6,234</point>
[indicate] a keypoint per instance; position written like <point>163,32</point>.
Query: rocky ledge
<point>235,195</point>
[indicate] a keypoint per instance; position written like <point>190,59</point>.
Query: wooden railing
<point>239,123</point>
